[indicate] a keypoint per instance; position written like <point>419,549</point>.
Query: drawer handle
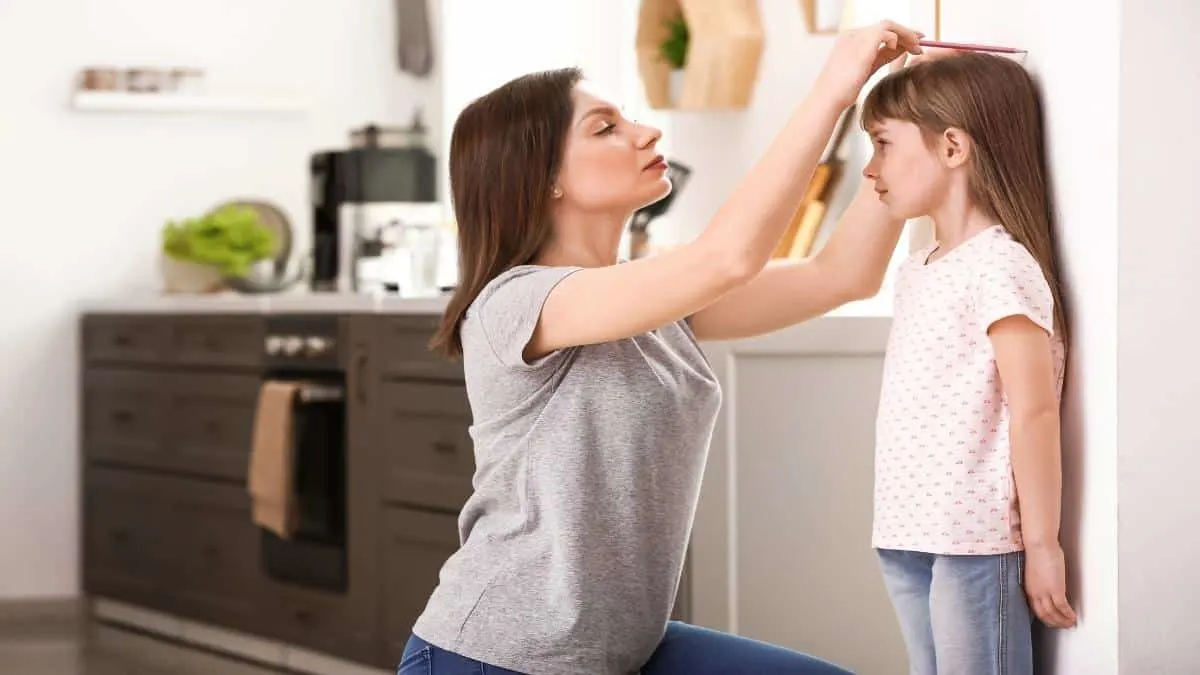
<point>444,448</point>
<point>211,551</point>
<point>122,417</point>
<point>122,341</point>
<point>304,616</point>
<point>119,536</point>
<point>360,376</point>
<point>212,427</point>
<point>211,343</point>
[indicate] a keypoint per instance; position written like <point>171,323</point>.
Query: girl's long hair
<point>996,102</point>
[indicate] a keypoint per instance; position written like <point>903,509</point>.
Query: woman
<point>593,405</point>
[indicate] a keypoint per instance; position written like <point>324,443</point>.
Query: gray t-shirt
<point>588,468</point>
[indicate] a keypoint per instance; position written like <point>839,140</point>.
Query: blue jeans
<point>684,650</point>
<point>961,615</point>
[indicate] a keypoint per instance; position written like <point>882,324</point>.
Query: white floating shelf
<point>95,101</point>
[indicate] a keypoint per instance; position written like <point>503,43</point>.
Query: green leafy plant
<point>675,47</point>
<point>231,239</point>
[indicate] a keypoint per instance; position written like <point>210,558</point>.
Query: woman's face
<point>610,164</point>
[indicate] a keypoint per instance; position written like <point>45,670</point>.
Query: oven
<point>309,349</point>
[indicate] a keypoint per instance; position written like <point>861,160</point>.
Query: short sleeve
<point>508,310</point>
<point>1011,283</point>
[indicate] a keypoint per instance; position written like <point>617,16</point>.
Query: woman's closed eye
<point>606,129</point>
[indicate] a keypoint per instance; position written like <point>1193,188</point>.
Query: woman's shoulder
<point>515,278</point>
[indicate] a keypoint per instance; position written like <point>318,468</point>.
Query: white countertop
<point>307,302</point>
<point>285,303</point>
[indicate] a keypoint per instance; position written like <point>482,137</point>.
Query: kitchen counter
<point>294,303</point>
<point>284,303</point>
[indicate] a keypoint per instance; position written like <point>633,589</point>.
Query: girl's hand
<point>1046,585</point>
<point>858,53</point>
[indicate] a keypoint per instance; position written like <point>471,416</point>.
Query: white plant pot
<point>675,86</point>
<point>180,276</point>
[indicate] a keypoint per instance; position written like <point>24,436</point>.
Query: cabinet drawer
<point>211,423</point>
<point>175,545</point>
<point>415,546</point>
<point>124,417</point>
<point>124,526</point>
<point>216,548</point>
<point>428,456</point>
<point>124,339</point>
<point>227,341</point>
<point>402,346</point>
<point>321,621</point>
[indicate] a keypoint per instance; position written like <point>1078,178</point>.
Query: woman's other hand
<point>858,53</point>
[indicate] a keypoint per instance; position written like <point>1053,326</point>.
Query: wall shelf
<point>724,52</point>
<point>118,102</point>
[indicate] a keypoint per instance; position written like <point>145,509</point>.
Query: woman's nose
<point>649,136</point>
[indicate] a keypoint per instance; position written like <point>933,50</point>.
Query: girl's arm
<point>1025,361</point>
<point>849,267</point>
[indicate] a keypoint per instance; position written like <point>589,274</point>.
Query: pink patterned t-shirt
<point>943,477</point>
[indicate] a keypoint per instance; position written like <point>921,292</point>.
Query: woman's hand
<point>1046,585</point>
<point>858,53</point>
<point>927,54</point>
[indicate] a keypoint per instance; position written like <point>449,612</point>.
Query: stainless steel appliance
<point>357,195</point>
<point>308,349</point>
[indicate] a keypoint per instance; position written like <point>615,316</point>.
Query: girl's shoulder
<point>1000,253</point>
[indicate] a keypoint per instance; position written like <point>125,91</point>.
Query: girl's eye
<point>608,129</point>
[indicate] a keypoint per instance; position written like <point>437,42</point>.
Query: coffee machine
<point>361,196</point>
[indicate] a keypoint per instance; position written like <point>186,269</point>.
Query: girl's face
<point>610,164</point>
<point>912,176</point>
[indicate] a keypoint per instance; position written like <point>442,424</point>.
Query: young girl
<point>968,478</point>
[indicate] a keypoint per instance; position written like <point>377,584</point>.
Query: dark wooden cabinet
<point>168,411</point>
<point>169,406</point>
<point>210,421</point>
<point>124,535</point>
<point>403,350</point>
<point>415,545</point>
<point>428,457</point>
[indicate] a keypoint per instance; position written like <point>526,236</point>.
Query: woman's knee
<point>702,651</point>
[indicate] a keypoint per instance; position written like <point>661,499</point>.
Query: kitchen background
<point>88,192</point>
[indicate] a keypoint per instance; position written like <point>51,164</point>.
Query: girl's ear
<point>955,148</point>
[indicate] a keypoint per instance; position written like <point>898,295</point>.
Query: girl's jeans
<point>961,615</point>
<point>685,650</point>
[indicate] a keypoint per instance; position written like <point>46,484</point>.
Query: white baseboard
<point>245,646</point>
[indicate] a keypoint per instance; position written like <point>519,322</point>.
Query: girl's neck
<point>956,220</point>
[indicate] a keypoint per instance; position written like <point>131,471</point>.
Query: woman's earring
<point>557,193</point>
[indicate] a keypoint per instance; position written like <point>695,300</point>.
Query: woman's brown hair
<point>505,154</point>
<point>997,104</point>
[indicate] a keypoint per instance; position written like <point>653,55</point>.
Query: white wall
<point>1080,85</point>
<point>1158,292</point>
<point>1120,94</point>
<point>595,35</point>
<point>86,195</point>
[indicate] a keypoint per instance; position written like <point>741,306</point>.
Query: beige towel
<point>272,459</point>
